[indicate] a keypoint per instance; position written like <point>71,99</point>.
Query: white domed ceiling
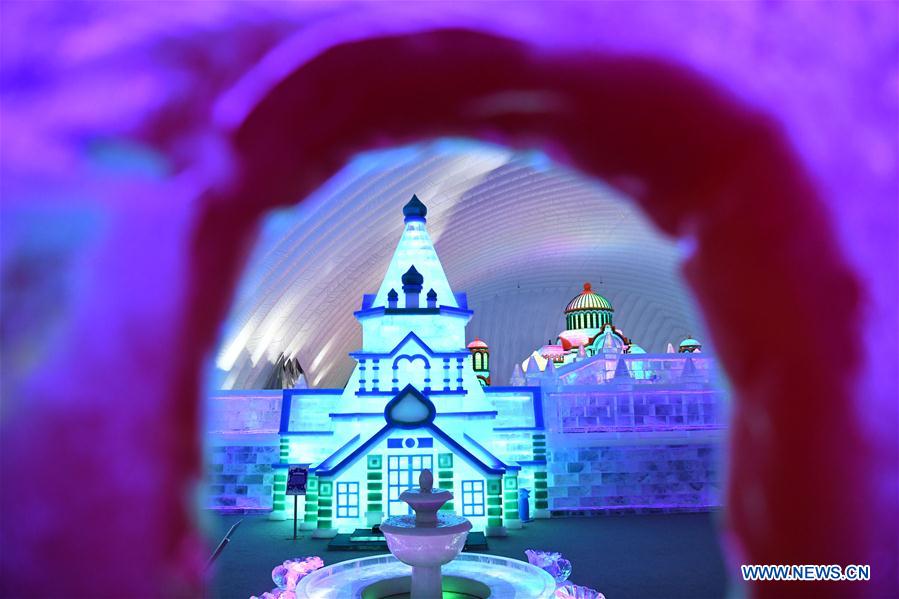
<point>516,232</point>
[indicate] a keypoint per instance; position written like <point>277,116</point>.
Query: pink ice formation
<point>552,562</point>
<point>288,574</point>
<point>573,591</point>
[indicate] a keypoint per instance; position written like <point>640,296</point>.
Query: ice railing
<point>660,393</point>
<point>643,369</point>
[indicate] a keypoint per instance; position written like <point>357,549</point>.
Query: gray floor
<point>665,556</point>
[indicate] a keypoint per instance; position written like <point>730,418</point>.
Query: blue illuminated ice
<point>416,248</point>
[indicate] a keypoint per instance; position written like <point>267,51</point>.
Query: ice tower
<point>413,401</point>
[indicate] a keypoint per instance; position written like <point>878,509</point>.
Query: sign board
<point>296,480</point>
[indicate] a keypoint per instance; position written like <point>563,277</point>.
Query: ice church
<point>591,422</point>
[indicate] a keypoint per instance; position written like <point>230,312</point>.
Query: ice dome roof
<point>477,344</point>
<point>588,300</point>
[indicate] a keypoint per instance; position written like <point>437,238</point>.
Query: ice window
<point>472,498</point>
<point>347,500</point>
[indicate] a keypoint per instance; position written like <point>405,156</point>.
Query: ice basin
<point>427,539</point>
<point>494,576</point>
<point>426,562</point>
<point>426,549</point>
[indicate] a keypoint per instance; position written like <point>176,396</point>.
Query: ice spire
<point>550,369</point>
<point>608,344</point>
<point>690,373</point>
<point>301,382</point>
<point>415,247</point>
<point>621,372</point>
<point>517,379</point>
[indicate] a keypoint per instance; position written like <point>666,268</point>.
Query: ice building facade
<point>626,429</point>
<point>591,422</point>
<point>413,401</point>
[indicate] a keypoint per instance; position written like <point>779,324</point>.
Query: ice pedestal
<point>426,549</point>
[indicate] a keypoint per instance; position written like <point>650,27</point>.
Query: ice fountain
<point>430,542</point>
<point>428,539</point>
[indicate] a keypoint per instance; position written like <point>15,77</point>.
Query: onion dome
<point>412,277</point>
<point>588,300</point>
<point>633,348</point>
<point>689,345</point>
<point>392,299</point>
<point>477,344</point>
<point>415,209</point>
<point>588,310</point>
<point>432,298</point>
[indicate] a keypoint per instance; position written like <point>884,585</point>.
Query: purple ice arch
<point>768,128</point>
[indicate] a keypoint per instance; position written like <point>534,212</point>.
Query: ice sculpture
<point>573,591</point>
<point>551,562</point>
<point>288,574</point>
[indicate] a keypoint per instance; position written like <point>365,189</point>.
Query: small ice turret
<point>480,360</point>
<point>412,283</point>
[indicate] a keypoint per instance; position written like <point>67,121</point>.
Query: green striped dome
<point>588,300</point>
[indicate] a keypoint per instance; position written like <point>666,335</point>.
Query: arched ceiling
<point>515,231</point>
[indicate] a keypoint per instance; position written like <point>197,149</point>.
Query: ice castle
<point>589,423</point>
